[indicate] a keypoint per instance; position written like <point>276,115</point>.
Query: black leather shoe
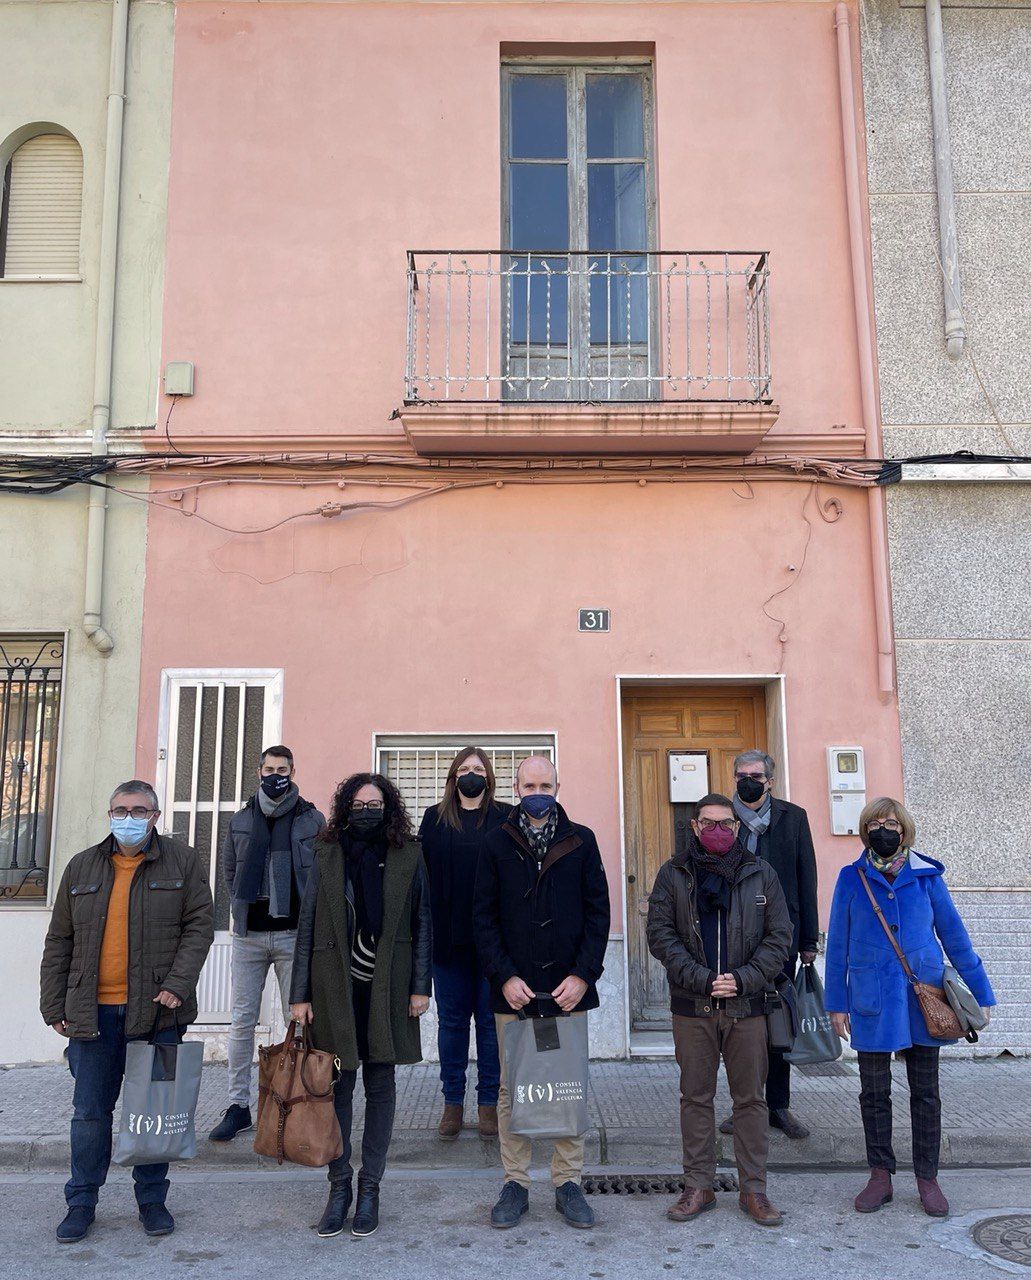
<point>156,1219</point>
<point>235,1120</point>
<point>334,1216</point>
<point>512,1204</point>
<point>727,1125</point>
<point>76,1225</point>
<point>789,1126</point>
<point>572,1205</point>
<point>366,1210</point>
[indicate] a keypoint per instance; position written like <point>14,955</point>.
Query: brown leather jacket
<point>758,936</point>
<point>171,927</point>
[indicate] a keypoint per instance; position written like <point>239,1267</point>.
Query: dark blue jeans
<point>463,995</point>
<point>97,1067</point>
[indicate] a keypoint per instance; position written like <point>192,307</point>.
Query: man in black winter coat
<point>541,923</point>
<point>778,832</point>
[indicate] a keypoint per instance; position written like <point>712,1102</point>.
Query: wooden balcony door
<point>717,722</point>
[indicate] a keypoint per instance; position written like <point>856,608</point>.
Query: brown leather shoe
<point>788,1124</point>
<point>487,1126</point>
<point>450,1122</point>
<point>876,1193</point>
<point>759,1209</point>
<point>692,1202</point>
<point>932,1198</point>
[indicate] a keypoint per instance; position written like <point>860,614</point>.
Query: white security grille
<point>44,208</point>
<point>419,764</point>
<point>214,728</point>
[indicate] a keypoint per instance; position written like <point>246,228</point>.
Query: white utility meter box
<point>688,776</point>
<point>846,775</point>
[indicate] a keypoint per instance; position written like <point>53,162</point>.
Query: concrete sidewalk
<point>634,1109</point>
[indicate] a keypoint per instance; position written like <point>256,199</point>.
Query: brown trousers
<point>567,1159</point>
<point>741,1042</point>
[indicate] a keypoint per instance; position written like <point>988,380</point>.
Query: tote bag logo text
<point>140,1123</point>
<point>562,1091</point>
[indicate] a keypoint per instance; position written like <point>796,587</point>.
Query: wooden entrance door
<point>719,722</point>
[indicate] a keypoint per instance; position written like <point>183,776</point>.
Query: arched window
<point>41,208</point>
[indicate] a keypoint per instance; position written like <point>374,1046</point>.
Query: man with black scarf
<point>718,922</point>
<point>266,858</point>
<point>778,832</point>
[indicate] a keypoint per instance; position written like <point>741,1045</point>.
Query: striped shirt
<point>363,957</point>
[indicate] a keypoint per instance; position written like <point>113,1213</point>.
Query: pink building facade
<point>583,478</point>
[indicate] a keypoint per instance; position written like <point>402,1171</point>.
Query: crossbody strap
<point>886,926</point>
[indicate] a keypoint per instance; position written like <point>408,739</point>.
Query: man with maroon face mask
<point>719,923</point>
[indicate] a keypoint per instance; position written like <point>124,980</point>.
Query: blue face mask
<point>538,805</point>
<point>130,832</point>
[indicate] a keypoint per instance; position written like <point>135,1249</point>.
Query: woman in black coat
<point>361,973</point>
<point>452,834</point>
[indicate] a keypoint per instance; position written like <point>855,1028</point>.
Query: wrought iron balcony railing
<point>507,325</point>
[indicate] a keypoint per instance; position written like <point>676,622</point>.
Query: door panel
<point>719,722</point>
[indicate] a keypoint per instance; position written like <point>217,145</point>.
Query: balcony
<point>587,352</point>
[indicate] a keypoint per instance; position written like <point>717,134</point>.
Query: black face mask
<point>365,824</point>
<point>750,789</point>
<point>275,786</point>
<point>883,842</point>
<point>472,785</point>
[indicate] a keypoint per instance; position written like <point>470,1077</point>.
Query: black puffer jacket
<point>171,928</point>
<point>541,923</point>
<point>758,936</point>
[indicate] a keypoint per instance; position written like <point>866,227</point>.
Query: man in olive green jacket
<point>132,924</point>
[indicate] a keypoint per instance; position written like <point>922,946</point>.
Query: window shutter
<point>418,766</point>
<point>44,208</point>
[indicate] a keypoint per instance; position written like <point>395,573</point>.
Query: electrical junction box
<point>688,776</point>
<point>846,776</point>
<point>179,378</point>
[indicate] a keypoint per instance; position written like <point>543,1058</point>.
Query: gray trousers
<point>252,955</point>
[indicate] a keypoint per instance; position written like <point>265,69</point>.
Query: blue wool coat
<point>864,977</point>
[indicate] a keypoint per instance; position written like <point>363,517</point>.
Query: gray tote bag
<point>159,1103</point>
<point>815,1040</point>
<point>546,1066</point>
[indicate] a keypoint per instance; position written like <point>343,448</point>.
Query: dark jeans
<point>380,1094</point>
<point>463,994</point>
<point>925,1108</point>
<point>778,1072</point>
<point>97,1067</point>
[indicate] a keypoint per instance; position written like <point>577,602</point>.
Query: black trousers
<point>778,1072</point>
<point>380,1099</point>
<point>925,1108</point>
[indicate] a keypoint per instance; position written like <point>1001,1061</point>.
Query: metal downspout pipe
<point>955,326</point>
<point>864,335</point>
<point>93,605</point>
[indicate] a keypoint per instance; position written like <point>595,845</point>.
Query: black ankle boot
<point>366,1211</point>
<point>334,1216</point>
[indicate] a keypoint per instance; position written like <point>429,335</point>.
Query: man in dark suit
<point>779,832</point>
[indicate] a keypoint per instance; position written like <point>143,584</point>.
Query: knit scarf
<point>888,866</point>
<point>715,873</point>
<point>756,821</point>
<point>268,865</point>
<point>363,863</point>
<point>539,838</point>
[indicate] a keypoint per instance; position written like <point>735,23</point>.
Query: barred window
<point>418,763</point>
<point>31,670</point>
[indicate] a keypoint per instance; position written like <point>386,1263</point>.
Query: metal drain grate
<point>646,1184</point>
<point>1008,1237</point>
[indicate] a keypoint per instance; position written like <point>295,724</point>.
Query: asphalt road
<point>434,1224</point>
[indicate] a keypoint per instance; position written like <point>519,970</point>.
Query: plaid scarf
<point>539,838</point>
<point>755,821</point>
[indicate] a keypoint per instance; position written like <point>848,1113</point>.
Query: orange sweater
<point>113,973</point>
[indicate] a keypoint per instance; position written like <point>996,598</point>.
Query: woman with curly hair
<point>362,973</point>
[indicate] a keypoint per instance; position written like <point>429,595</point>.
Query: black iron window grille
<point>31,669</point>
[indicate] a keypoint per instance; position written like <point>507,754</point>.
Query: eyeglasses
<point>889,824</point>
<point>759,777</point>
<point>724,824</point>
<point>374,806</point>
<point>138,812</point>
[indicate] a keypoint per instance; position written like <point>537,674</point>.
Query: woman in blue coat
<point>869,996</point>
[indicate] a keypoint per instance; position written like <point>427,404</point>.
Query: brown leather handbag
<point>296,1120</point>
<point>939,1016</point>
